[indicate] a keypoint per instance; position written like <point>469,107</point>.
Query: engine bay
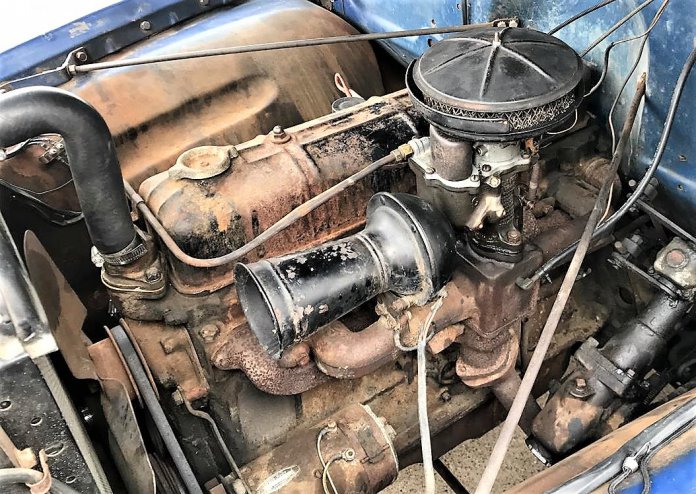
<point>237,281</point>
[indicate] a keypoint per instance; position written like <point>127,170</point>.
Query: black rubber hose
<point>27,113</point>
<point>13,476</point>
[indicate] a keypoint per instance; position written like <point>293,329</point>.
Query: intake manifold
<point>406,247</point>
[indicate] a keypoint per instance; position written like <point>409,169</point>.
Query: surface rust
<point>354,428</point>
<point>604,447</point>
<point>212,217</point>
<point>170,355</point>
<point>225,100</point>
<point>344,354</point>
<point>244,352</point>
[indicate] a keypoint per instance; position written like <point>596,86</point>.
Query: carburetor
<point>487,95</point>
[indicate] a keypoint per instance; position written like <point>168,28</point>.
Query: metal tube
<point>518,405</point>
<point>287,220</point>
<point>580,15</point>
<point>615,27</point>
<point>505,391</point>
<point>9,477</point>
<point>405,247</point>
<point>277,45</point>
<point>606,226</point>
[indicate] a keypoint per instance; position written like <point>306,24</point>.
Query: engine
<point>302,311</point>
<point>432,241</point>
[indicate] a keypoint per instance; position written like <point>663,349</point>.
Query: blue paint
<point>101,33</point>
<point>675,477</point>
<point>380,16</point>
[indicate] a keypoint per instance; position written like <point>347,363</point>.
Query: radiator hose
<point>27,113</point>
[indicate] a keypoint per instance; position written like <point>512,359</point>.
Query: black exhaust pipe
<point>406,247</point>
<point>27,113</point>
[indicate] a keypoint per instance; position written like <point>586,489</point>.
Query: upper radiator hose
<point>406,247</point>
<point>27,113</point>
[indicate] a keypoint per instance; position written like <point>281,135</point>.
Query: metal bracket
<point>620,261</point>
<point>603,369</point>
<point>53,77</point>
<point>421,162</point>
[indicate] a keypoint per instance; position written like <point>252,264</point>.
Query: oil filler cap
<point>203,162</point>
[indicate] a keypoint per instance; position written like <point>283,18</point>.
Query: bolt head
<point>676,258</point>
<point>580,389</point>
<point>279,135</point>
<point>81,56</point>
<point>152,274</point>
<point>514,236</point>
<point>209,332</point>
<point>168,346</point>
<point>145,25</point>
<point>486,168</point>
<point>493,182</point>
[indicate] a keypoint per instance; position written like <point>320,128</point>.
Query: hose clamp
<point>131,253</point>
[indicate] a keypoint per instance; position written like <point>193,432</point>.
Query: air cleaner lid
<point>488,73</point>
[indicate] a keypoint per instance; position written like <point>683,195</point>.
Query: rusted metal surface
<point>569,415</point>
<point>144,279</point>
<point>109,365</point>
<point>170,356</point>
<point>505,390</point>
<point>484,361</point>
<point>187,104</point>
<point>212,217</point>
<point>457,306</point>
<point>296,356</point>
<point>63,308</point>
<point>20,458</point>
<point>215,101</point>
<point>295,467</point>
<point>601,449</point>
<point>501,304</point>
<point>344,354</point>
<point>583,317</point>
<point>490,343</point>
<point>444,338</point>
<point>244,352</point>
<point>30,169</point>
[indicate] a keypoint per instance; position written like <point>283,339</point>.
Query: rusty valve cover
<point>215,199</point>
